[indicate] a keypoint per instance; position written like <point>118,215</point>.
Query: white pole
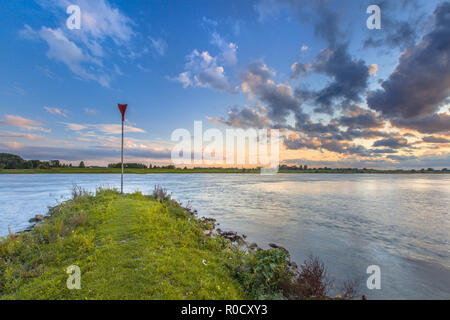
<point>121,180</point>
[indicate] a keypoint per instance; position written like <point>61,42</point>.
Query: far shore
<point>67,170</point>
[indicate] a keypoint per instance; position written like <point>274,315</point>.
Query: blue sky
<point>175,62</point>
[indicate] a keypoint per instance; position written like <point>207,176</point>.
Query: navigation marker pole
<point>122,108</point>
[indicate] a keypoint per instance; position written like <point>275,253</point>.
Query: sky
<point>340,94</point>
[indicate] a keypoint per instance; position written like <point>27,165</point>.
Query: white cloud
<point>99,20</point>
<point>202,71</point>
<point>56,111</point>
<point>83,51</point>
<point>116,128</point>
<point>209,21</point>
<point>104,128</point>
<point>117,70</point>
<point>304,48</point>
<point>185,79</point>
<point>63,50</point>
<point>229,50</point>
<point>142,68</point>
<point>19,135</point>
<point>159,45</point>
<point>24,123</point>
<point>90,111</point>
<point>75,126</point>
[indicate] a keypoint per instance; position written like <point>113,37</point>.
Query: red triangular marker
<point>123,108</point>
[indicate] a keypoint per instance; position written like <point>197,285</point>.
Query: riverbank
<point>118,171</point>
<point>134,246</point>
<point>67,170</point>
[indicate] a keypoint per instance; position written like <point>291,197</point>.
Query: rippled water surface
<point>398,222</point>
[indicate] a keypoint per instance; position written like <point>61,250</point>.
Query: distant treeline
<point>139,166</point>
<point>304,168</point>
<point>11,161</point>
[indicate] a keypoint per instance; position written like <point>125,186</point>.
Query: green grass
<point>127,247</point>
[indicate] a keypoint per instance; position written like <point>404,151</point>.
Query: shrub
<point>349,289</point>
<point>262,272</point>
<point>160,193</point>
<point>311,282</point>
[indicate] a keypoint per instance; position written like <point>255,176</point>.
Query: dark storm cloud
<point>395,33</point>
<point>244,117</point>
<point>429,124</point>
<point>349,76</point>
<point>360,128</point>
<point>279,99</point>
<point>326,22</point>
<point>434,139</point>
<point>392,142</point>
<point>348,81</point>
<point>351,134</point>
<point>299,143</point>
<point>300,69</point>
<point>401,158</point>
<point>401,162</point>
<point>359,118</point>
<point>322,143</point>
<point>399,34</point>
<point>420,83</point>
<point>304,124</point>
<point>383,151</point>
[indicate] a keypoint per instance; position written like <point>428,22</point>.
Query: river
<point>351,221</point>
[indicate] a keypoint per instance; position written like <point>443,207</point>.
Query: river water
<point>351,221</point>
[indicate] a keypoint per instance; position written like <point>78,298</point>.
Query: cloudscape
<point>341,94</point>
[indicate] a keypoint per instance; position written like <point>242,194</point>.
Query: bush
<point>312,282</point>
<point>262,272</point>
<point>160,194</point>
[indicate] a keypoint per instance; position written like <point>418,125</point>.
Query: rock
<point>244,236</point>
<point>37,218</point>
<point>229,233</point>
<point>209,221</point>
<point>232,236</point>
<point>28,229</point>
<point>275,246</point>
<point>207,232</point>
<point>252,246</point>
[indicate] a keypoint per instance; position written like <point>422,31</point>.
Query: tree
<point>55,163</point>
<point>81,165</point>
<point>44,165</point>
